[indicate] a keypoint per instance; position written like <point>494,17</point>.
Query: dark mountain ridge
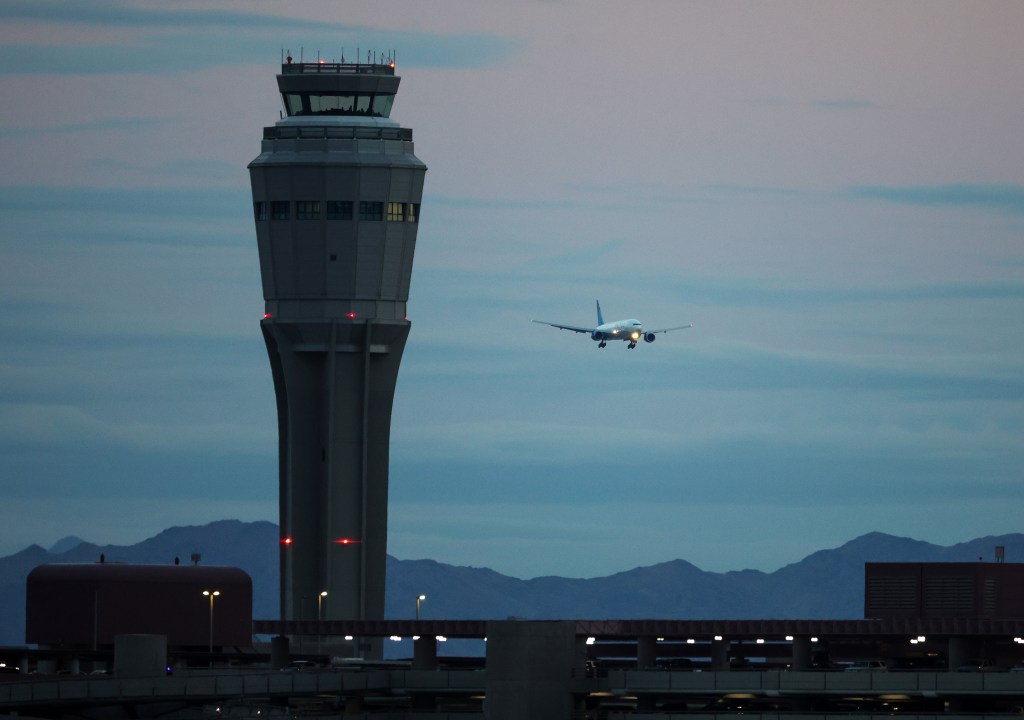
<point>827,584</point>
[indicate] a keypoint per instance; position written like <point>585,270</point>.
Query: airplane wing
<point>574,328</point>
<point>677,327</point>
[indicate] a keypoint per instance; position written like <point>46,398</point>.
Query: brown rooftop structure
<point>976,590</point>
<point>88,605</point>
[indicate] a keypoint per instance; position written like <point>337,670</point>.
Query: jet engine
<point>596,336</point>
<point>649,337</point>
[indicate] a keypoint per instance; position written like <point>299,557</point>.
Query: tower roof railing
<point>335,68</point>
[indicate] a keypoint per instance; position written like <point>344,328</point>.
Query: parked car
<point>868,666</point>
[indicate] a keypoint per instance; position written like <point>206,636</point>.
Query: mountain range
<point>828,584</point>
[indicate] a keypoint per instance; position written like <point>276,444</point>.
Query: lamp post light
<point>211,594</point>
<point>419,599</point>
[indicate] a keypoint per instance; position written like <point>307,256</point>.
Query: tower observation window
<point>369,210</point>
<point>339,209</point>
<point>307,210</point>
<point>259,209</point>
<point>396,212</point>
<point>278,209</point>
<point>371,105</point>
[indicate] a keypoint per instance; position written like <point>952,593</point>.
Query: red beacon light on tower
<point>350,316</point>
<point>286,541</point>
<point>347,541</point>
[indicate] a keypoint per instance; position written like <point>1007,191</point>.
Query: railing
<point>349,132</point>
<point>237,684</point>
<point>305,68</point>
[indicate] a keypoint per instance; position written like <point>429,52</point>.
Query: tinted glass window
<point>307,210</point>
<point>278,209</point>
<point>339,209</point>
<point>369,210</point>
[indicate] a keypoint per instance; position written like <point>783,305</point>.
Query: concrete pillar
<point>280,651</point>
<point>424,653</point>
<point>719,654</point>
<point>140,655</point>
<point>738,655</point>
<point>801,652</point>
<point>646,652</point>
<point>529,669</point>
<point>353,704</point>
<point>959,651</point>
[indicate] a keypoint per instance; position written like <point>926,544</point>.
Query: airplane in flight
<point>629,330</point>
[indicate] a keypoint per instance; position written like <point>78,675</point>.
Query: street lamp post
<point>211,594</point>
<point>319,607</point>
<point>419,599</point>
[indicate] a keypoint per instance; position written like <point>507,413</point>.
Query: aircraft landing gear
<point>602,344</point>
<point>631,346</point>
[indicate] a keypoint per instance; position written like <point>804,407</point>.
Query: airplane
<point>629,330</point>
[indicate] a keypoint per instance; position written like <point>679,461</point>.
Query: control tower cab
<point>347,90</point>
<point>336,197</point>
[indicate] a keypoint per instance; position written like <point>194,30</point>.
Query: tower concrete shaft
<point>336,197</point>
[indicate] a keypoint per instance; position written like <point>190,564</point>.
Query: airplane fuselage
<point>629,330</point>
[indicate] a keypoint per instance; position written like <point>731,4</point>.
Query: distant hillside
<point>828,584</point>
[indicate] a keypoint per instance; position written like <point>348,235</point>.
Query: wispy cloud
<point>121,125</point>
<point>179,40</point>
<point>844,104</point>
<point>1005,198</point>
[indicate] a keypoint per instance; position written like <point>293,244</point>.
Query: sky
<point>832,192</point>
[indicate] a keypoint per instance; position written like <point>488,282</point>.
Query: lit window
<point>396,212</point>
<point>339,209</point>
<point>414,212</point>
<point>307,210</point>
<point>278,209</point>
<point>369,210</point>
<point>259,209</point>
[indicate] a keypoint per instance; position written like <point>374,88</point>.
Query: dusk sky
<point>832,192</point>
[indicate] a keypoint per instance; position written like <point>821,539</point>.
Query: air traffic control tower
<point>336,194</point>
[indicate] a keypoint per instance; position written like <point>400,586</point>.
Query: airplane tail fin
<point>600,320</point>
